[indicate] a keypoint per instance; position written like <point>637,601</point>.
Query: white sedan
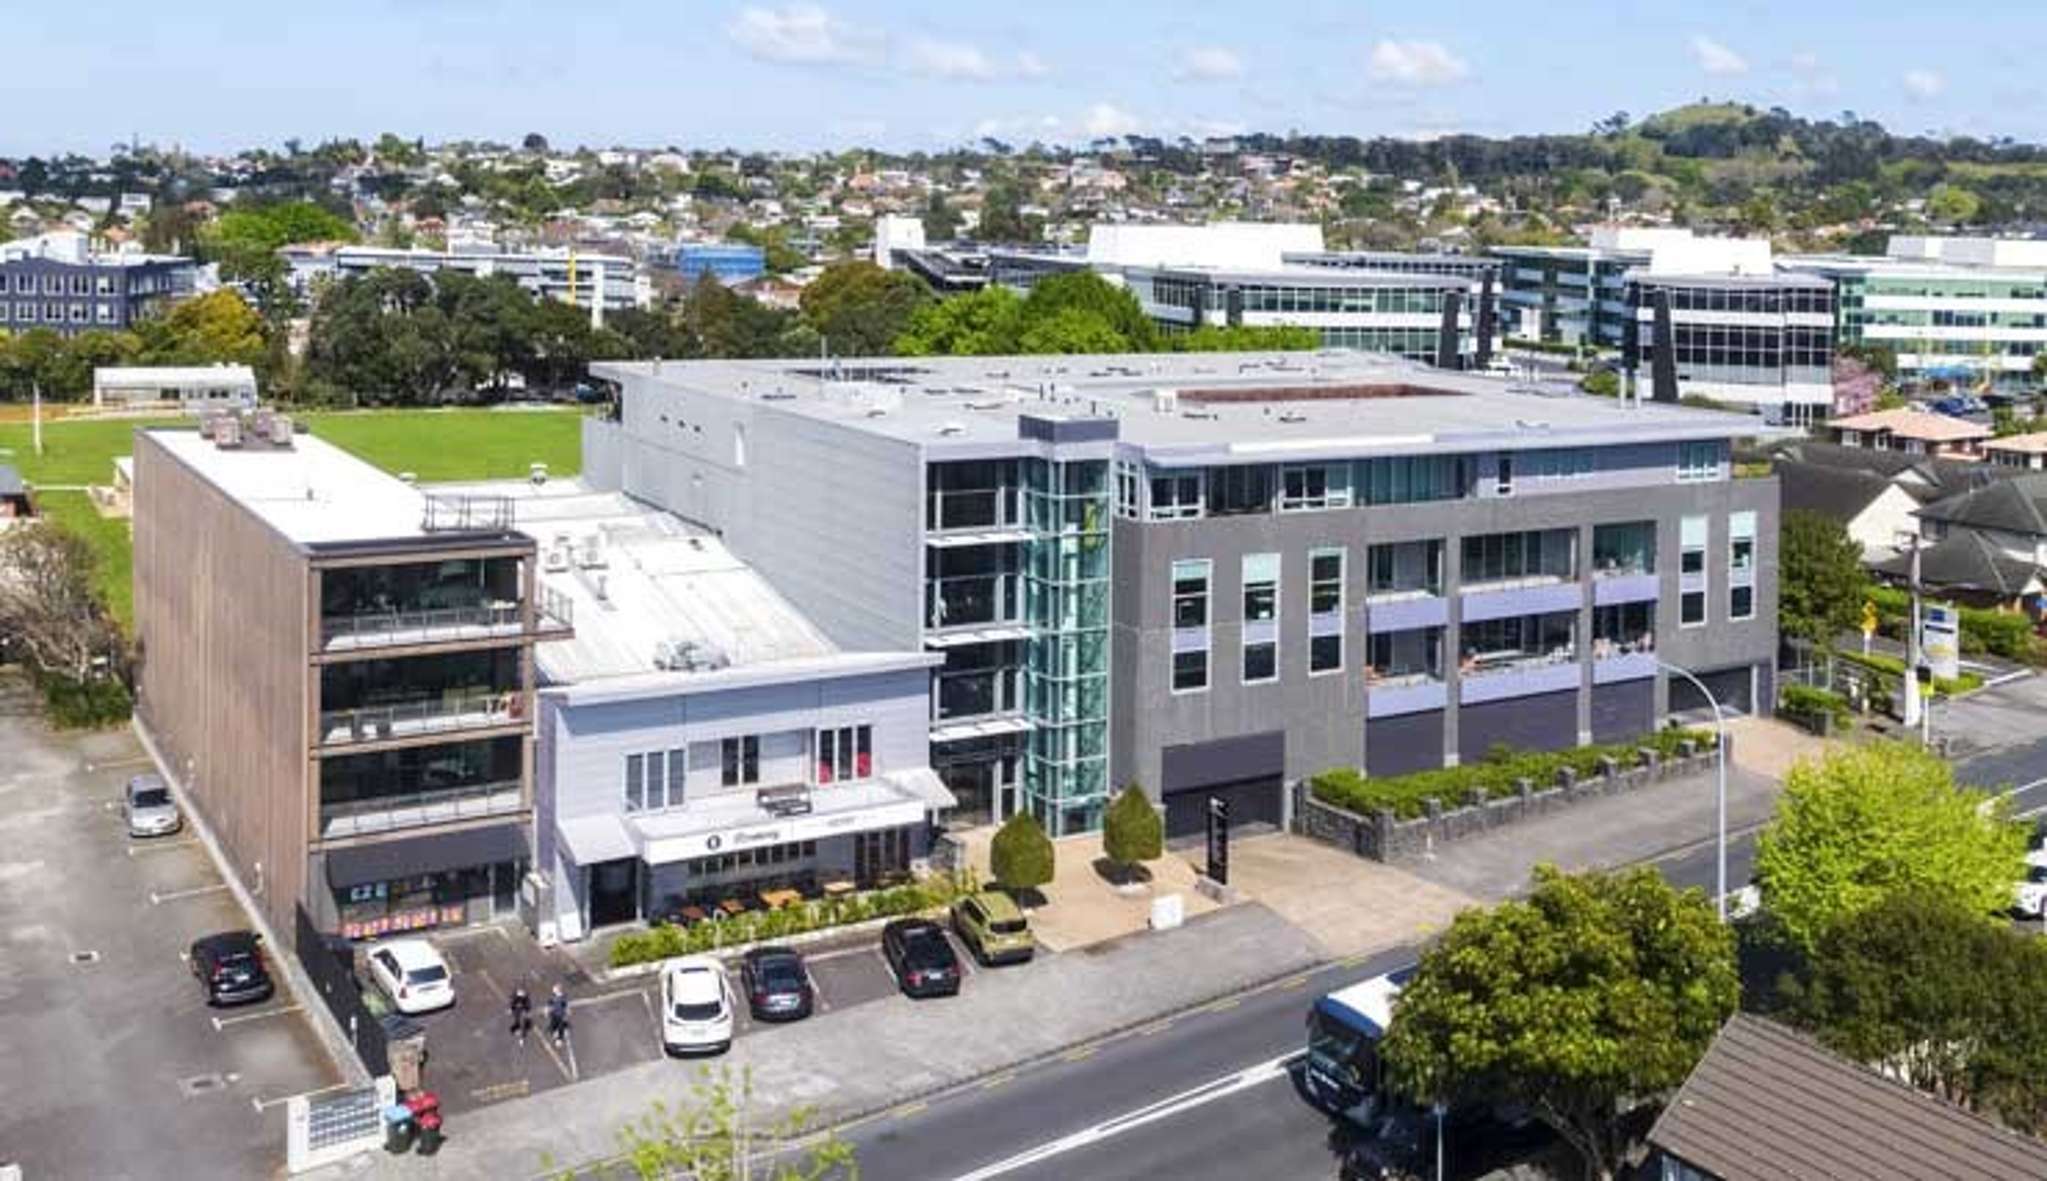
<point>2029,897</point>
<point>413,975</point>
<point>696,1006</point>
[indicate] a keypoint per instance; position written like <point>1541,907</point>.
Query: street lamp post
<point>1720,787</point>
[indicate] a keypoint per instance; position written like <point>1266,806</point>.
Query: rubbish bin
<point>399,1129</point>
<point>425,1107</point>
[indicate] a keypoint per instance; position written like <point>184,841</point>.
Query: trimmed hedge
<point>1497,776</point>
<point>2008,634</point>
<point>1808,705</point>
<point>666,941</point>
<point>1890,668</point>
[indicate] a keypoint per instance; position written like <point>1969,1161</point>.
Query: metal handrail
<point>448,712</point>
<point>390,623</point>
<point>498,796</point>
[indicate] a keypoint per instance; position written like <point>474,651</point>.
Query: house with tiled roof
<point>1913,431</point>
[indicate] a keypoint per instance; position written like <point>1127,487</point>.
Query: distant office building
<point>893,232</point>
<point>1972,311</point>
<point>194,388</point>
<point>601,282</point>
<point>730,263</point>
<point>948,270</point>
<point>56,281</point>
<point>1576,294</point>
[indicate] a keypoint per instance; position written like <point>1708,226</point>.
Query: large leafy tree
<point>1821,583</point>
<point>860,309</point>
<point>1866,821</point>
<point>717,1136</point>
<point>1118,311</point>
<point>983,323</point>
<point>1596,991</point>
<point>1905,985</point>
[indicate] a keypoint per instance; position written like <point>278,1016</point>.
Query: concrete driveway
<point>1348,905</point>
<point>118,1067</point>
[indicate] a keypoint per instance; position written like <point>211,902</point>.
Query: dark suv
<point>777,986</point>
<point>230,965</point>
<point>921,957</point>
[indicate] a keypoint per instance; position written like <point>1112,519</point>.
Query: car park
<point>150,810</point>
<point>412,974</point>
<point>921,958</point>
<point>777,984</point>
<point>230,966</point>
<point>993,928</point>
<point>696,1007</point>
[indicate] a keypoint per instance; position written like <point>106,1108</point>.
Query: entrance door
<point>614,892</point>
<point>1252,801</point>
<point>879,854</point>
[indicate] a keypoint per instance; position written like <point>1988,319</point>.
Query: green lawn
<point>432,444</point>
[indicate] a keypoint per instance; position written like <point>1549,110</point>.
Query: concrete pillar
<point>1584,568</point>
<point>1453,580</point>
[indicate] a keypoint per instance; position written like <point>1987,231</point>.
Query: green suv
<point>993,928</point>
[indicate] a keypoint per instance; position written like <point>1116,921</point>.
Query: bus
<point>1343,1074</point>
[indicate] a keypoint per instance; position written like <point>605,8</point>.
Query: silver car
<point>150,810</point>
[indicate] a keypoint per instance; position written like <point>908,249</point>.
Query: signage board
<point>1940,640</point>
<point>1219,840</point>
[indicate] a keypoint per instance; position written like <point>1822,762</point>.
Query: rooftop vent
<point>590,555</point>
<point>1165,401</point>
<point>952,428</point>
<point>537,473</point>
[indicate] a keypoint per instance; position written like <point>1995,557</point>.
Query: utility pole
<point>1911,689</point>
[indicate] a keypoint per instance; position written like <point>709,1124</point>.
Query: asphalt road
<point>1205,1095</point>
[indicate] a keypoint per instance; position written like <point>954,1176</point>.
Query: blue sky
<point>222,74</point>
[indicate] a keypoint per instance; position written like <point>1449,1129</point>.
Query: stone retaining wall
<point>1383,837</point>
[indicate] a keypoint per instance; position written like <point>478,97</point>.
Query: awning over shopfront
<point>593,839</point>
<point>361,865</point>
<point>715,826</point>
<point>925,784</point>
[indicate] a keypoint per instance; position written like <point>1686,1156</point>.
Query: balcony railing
<point>498,617</point>
<point>410,810</point>
<point>452,711</point>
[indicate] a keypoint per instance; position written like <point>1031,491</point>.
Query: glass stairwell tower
<point>1066,675</point>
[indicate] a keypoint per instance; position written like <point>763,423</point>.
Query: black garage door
<point>1734,687</point>
<point>1252,801</point>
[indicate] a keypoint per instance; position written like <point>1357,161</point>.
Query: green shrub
<point>85,705</point>
<point>1132,831</point>
<point>666,941</point>
<point>1494,777</point>
<point>1020,856</point>
<point>1808,703</point>
<point>2008,634</point>
<point>1890,668</point>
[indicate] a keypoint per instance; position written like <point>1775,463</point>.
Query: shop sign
<point>404,920</point>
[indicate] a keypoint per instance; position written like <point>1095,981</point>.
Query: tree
<point>1821,582</point>
<point>715,1136</point>
<point>1866,821</point>
<point>1071,331</point>
<point>1952,204</point>
<point>1020,855</point>
<point>1245,338</point>
<point>1901,987</point>
<point>534,142</point>
<point>941,220</point>
<point>51,612</point>
<point>216,327</point>
<point>245,241</point>
<point>982,323</point>
<point>1132,831</point>
<point>860,309</point>
<point>1117,315</point>
<point>1596,991</point>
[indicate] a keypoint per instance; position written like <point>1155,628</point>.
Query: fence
<point>329,961</point>
<point>327,1129</point>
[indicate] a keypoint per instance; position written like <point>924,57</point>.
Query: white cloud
<point>1106,119</point>
<point>1924,83</point>
<point>950,59</point>
<point>1030,65</point>
<point>1715,58</point>
<point>803,34</point>
<point>1209,63</point>
<point>1415,63</point>
<point>1220,128</point>
<point>1805,62</point>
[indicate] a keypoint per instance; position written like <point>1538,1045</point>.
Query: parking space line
<point>265,1104</point>
<point>484,974</point>
<point>137,761</point>
<point>816,993</point>
<point>220,1023</point>
<point>567,1068</point>
<point>604,996</point>
<point>647,1003</point>
<point>154,846</point>
<point>156,899</point>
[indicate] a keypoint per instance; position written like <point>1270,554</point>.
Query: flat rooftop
<point>1223,406</point>
<point>1300,274</point>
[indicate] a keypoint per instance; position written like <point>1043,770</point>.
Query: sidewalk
<point>879,1055</point>
<point>1080,907</point>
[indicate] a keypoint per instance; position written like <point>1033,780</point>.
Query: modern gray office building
<point>1218,574</point>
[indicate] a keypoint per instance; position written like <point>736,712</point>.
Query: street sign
<point>1868,620</point>
<point>1218,840</point>
<point>1940,640</point>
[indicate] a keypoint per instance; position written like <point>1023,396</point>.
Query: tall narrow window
<point>657,780</point>
<point>1190,624</point>
<point>1325,610</point>
<point>740,761</point>
<point>1261,618</point>
<point>845,753</point>
<point>1691,573</point>
<point>678,763</point>
<point>1503,484</point>
<point>635,785</point>
<point>1741,566</point>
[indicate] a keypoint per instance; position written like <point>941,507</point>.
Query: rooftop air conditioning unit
<point>591,556</point>
<point>557,559</point>
<point>1165,401</point>
<point>280,430</point>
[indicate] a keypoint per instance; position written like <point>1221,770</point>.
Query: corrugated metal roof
<point>1767,1103</point>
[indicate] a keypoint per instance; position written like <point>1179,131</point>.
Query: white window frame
<point>1690,472</point>
<point>635,783</point>
<point>1503,474</point>
<point>1332,497</point>
<point>1688,528</point>
<point>1267,569</point>
<point>1206,628</point>
<point>1178,510</point>
<point>1741,528</point>
<point>1342,564</point>
<point>1129,490</point>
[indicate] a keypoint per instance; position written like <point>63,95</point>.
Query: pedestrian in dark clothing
<point>522,1014</point>
<point>558,1016</point>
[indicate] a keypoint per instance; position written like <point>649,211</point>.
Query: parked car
<point>413,975</point>
<point>230,966</point>
<point>2029,896</point>
<point>150,810</point>
<point>993,928</point>
<point>696,1007</point>
<point>921,958</point>
<point>776,983</point>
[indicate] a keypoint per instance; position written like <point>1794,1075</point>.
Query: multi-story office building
<point>1576,294</point>
<point>1217,574</point>
<point>601,282</point>
<point>339,669</point>
<point>56,281</point>
<point>1967,310</point>
<point>1758,340</point>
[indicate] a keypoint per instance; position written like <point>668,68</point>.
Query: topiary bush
<point>1132,830</point>
<point>1020,856</point>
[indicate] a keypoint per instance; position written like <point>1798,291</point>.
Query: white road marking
<point>156,899</point>
<point>153,846</point>
<point>265,1104</point>
<point>220,1023</point>
<point>1186,1100</point>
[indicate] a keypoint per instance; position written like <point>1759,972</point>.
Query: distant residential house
<point>1769,1104</point>
<point>2027,452</point>
<point>14,501</point>
<point>1915,432</point>
<point>1989,544</point>
<point>1878,512</point>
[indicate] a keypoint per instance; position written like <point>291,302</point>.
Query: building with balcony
<point>338,667</point>
<point>1215,575</point>
<point>699,741</point>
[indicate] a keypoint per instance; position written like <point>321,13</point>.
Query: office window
<point>1691,571</point>
<point>1314,486</point>
<point>1175,495</point>
<point>678,764</point>
<point>1190,624</point>
<point>739,761</point>
<point>845,753</point>
<point>1261,618</point>
<point>657,780</point>
<point>1129,491</point>
<point>1325,610</point>
<point>1503,483</point>
<point>1741,566</point>
<point>635,783</point>
<point>1698,461</point>
<point>1240,489</point>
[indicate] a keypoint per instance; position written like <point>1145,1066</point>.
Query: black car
<point>921,958</point>
<point>230,965</point>
<point>776,983</point>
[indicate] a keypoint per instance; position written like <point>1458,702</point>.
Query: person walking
<point>558,1016</point>
<point>522,1013</point>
